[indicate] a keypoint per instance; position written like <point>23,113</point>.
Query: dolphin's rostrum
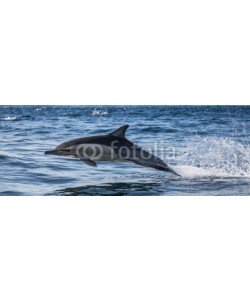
<point>111,147</point>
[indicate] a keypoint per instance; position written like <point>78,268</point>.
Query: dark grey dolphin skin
<point>111,147</point>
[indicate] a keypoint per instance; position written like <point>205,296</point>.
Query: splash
<point>214,157</point>
<point>96,112</point>
<point>9,118</point>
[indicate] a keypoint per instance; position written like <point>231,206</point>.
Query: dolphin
<point>111,147</point>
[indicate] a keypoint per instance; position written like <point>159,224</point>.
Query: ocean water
<point>209,146</point>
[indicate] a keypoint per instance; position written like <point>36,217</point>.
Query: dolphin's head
<point>64,149</point>
<point>58,151</point>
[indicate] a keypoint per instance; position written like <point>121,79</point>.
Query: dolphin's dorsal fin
<point>120,132</point>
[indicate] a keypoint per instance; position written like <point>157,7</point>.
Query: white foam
<point>192,172</point>
<point>96,112</point>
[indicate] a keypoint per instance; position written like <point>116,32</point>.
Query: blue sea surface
<point>209,146</point>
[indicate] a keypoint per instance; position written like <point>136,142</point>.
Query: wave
<point>157,129</point>
<point>3,157</point>
<point>15,118</point>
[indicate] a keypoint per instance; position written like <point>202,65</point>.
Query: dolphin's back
<point>99,140</point>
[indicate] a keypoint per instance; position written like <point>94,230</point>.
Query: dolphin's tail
<point>156,165</point>
<point>147,159</point>
<point>165,168</point>
<point>168,169</point>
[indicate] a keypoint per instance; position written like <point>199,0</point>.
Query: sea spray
<point>214,156</point>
